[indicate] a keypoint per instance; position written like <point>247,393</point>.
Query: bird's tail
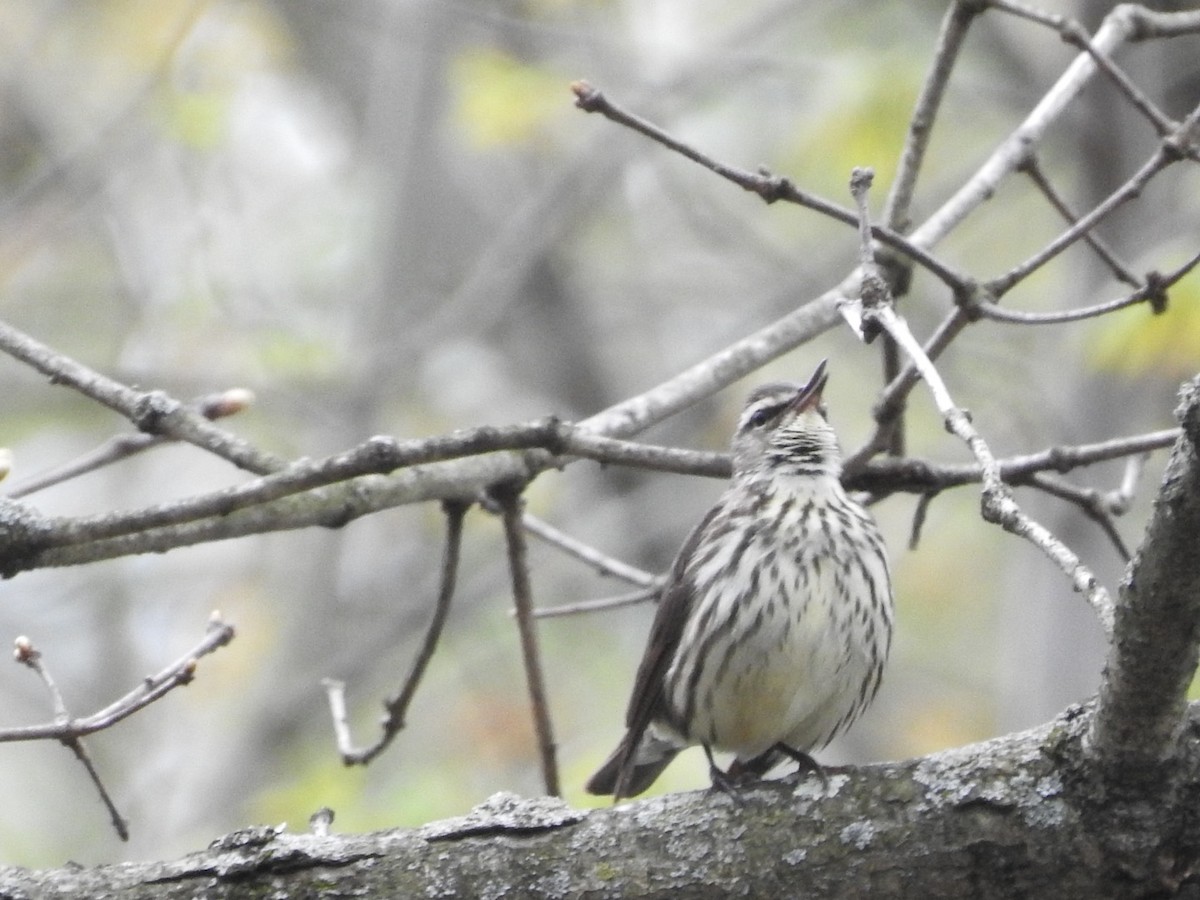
<point>630,770</point>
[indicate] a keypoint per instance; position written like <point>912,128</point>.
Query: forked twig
<point>396,707</point>
<point>71,731</point>
<point>997,503</point>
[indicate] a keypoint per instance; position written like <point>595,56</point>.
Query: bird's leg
<point>722,780</point>
<point>805,762</point>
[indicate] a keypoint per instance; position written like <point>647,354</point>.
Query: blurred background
<point>386,216</point>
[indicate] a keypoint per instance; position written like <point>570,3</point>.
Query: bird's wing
<point>648,700</point>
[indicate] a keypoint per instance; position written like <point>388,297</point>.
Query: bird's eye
<point>764,414</point>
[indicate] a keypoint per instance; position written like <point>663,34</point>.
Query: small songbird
<point>775,621</point>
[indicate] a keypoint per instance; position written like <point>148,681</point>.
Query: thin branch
<point>892,400</point>
<point>70,731</point>
<point>1090,503</point>
<point>509,498</point>
<point>604,604</point>
<point>953,32</point>
<point>26,654</point>
<point>997,503</point>
<point>1123,24</point>
<point>1032,168</point>
<point>249,509</point>
<point>769,187</point>
<point>1166,154</point>
<point>152,412</point>
<point>396,708</point>
<point>1076,35</point>
<point>1117,502</point>
<point>1154,291</point>
<point>918,522</point>
<point>381,455</point>
<point>601,562</point>
<point>917,476</point>
<point>123,446</point>
<point>150,689</point>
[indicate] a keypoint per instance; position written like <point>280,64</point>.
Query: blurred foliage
<point>1138,341</point>
<point>502,100</point>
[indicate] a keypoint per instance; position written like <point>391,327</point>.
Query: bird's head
<point>783,429</point>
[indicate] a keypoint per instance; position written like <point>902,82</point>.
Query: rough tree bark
<point>1102,802</point>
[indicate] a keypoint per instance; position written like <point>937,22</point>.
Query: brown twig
<point>917,476</point>
<point>601,562</point>
<point>771,188</point>
<point>396,707</point>
<point>1154,292</point>
<point>1165,155</point>
<point>509,498</point>
<point>70,731</point>
<point>152,688</point>
<point>28,655</point>
<point>1033,169</point>
<point>381,455</point>
<point>1089,501</point>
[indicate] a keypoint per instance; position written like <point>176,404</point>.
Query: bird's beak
<point>810,394</point>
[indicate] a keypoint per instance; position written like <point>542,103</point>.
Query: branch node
<point>1155,292</point>
<point>773,187</point>
<point>151,409</point>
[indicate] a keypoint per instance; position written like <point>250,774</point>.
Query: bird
<point>775,620</point>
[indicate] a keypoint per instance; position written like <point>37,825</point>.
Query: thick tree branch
<point>1001,819</point>
<point>1153,657</point>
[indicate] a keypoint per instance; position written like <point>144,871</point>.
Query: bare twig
<point>918,522</point>
<point>265,505</point>
<point>380,455</point>
<point>1090,503</point>
<point>997,503</point>
<point>396,708</point>
<point>918,476</point>
<point>28,655</point>
<point>70,731</point>
<point>633,598</point>
<point>953,32</point>
<point>770,187</point>
<point>153,412</point>
<point>1076,35</point>
<point>509,498</point>
<point>150,689</point>
<point>1117,502</point>
<point>1166,154</point>
<point>601,562</point>
<point>123,446</point>
<point>1032,168</point>
<point>1154,292</point>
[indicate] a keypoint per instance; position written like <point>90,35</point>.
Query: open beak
<point>810,394</point>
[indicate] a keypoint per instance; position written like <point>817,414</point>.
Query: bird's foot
<point>805,763</point>
<point>729,782</point>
